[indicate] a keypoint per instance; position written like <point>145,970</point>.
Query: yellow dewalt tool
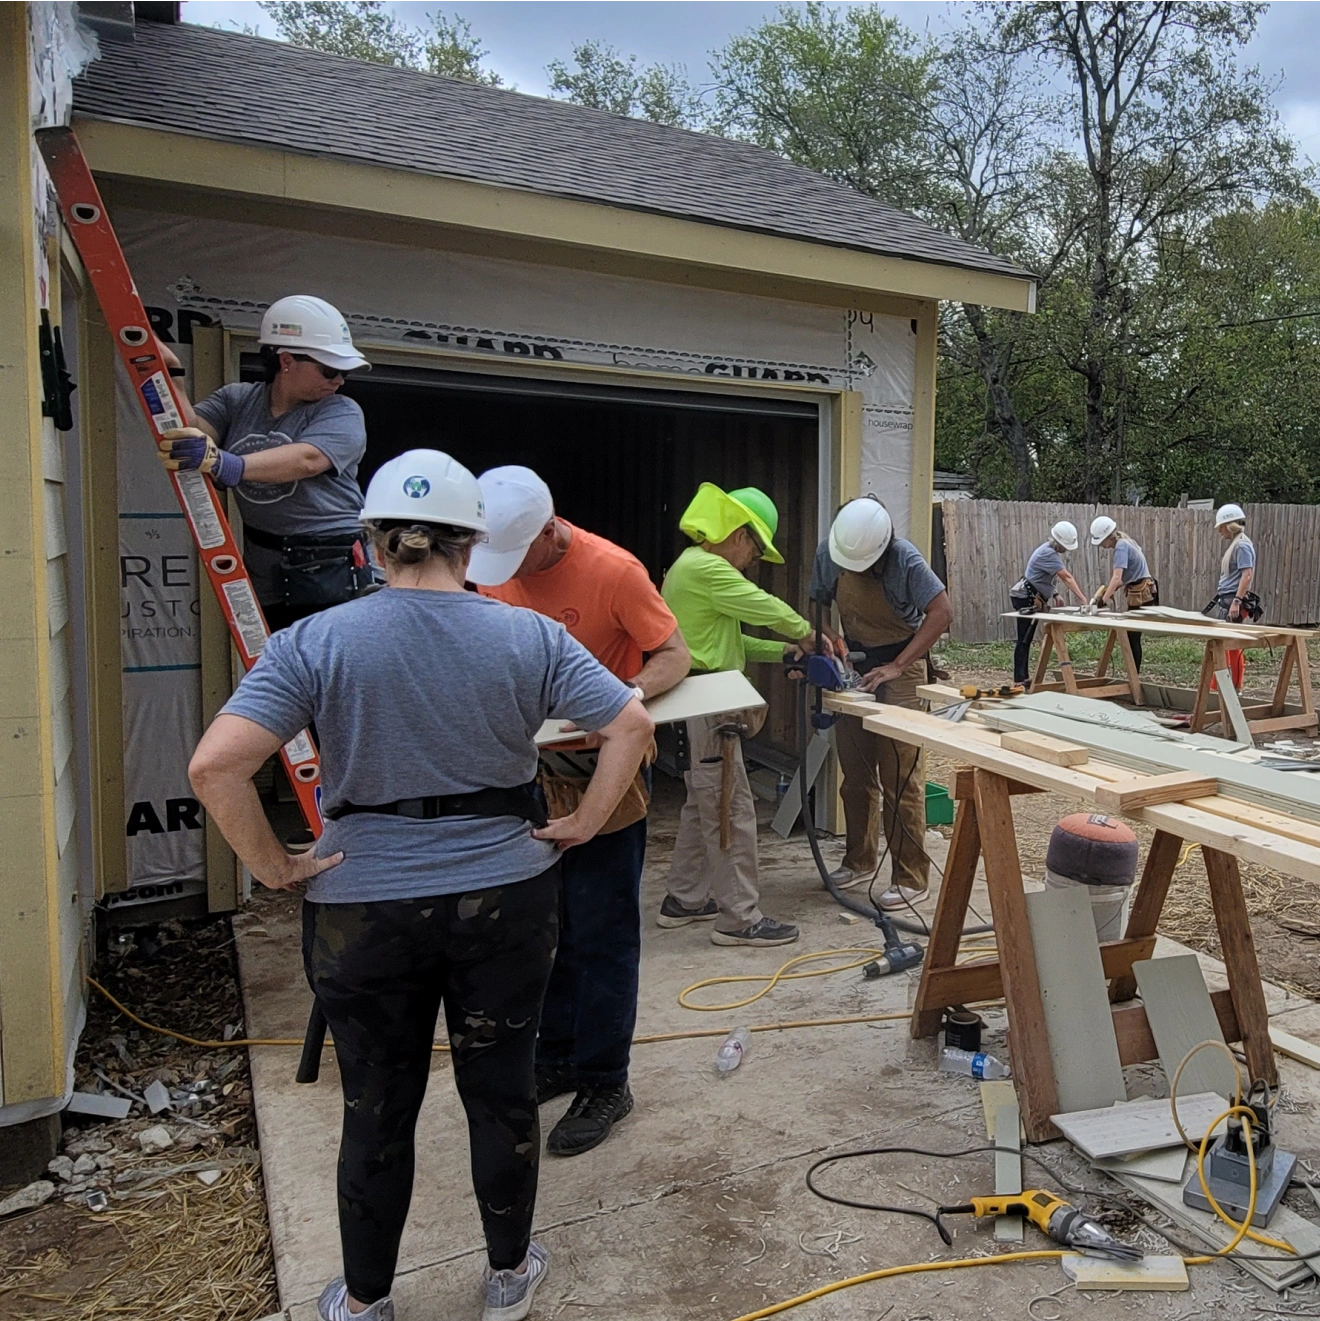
<point>970,690</point>
<point>1053,1217</point>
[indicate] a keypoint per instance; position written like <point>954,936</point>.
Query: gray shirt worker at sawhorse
<point>1129,557</point>
<point>908,582</point>
<point>449,722</point>
<point>1044,565</point>
<point>1243,557</point>
<point>316,506</point>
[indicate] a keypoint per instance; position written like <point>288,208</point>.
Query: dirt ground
<point>142,1257</point>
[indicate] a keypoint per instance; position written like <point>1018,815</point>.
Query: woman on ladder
<point>437,879</point>
<point>1234,599</point>
<point>1037,589</point>
<point>1131,573</point>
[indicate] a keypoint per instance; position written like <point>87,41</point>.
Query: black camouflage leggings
<point>380,971</point>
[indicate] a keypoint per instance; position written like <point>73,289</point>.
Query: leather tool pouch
<point>1145,591</point>
<point>564,777</point>
<point>877,656</point>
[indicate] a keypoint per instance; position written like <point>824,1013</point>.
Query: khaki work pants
<point>875,770</point>
<point>700,869</point>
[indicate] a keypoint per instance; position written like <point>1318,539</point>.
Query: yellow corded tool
<point>1053,1216</point>
<point>970,690</point>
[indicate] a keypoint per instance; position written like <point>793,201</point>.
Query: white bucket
<point>1108,904</point>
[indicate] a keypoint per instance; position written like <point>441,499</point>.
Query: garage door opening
<point>622,462</point>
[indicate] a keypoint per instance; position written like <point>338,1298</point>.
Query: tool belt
<point>317,571</point>
<point>524,801</point>
<point>563,778</point>
<point>1022,590</point>
<point>874,657</point>
<point>1220,606</point>
<point>1145,591</point>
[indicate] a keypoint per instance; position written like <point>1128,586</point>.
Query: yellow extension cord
<point>857,956</point>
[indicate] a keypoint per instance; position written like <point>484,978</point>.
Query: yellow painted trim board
<point>133,152</point>
<point>1295,1048</point>
<point>31,993</point>
<point>923,429</point>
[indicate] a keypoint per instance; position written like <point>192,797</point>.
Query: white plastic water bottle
<point>974,1064</point>
<point>732,1050</point>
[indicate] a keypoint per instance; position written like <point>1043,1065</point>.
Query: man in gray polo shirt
<point>893,608</point>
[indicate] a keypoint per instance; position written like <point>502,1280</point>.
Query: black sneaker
<point>555,1080</point>
<point>673,914</point>
<point>765,932</point>
<point>587,1122</point>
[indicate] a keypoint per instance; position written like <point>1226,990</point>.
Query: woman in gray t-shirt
<point>432,883</point>
<point>290,446</point>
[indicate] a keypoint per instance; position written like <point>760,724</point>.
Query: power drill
<point>1053,1217</point>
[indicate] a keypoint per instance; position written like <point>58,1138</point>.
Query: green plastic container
<point>939,806</point>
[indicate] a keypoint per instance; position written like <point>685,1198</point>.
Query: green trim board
<point>1138,743</point>
<point>1181,1016</point>
<point>1075,1000</point>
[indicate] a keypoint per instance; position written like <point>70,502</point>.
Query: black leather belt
<point>272,542</point>
<point>525,801</point>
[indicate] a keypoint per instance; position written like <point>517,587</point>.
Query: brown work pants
<point>700,869</point>
<point>880,771</point>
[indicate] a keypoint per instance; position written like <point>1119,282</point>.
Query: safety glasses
<point>330,373</point>
<point>756,541</point>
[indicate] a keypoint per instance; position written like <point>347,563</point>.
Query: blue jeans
<point>591,1003</point>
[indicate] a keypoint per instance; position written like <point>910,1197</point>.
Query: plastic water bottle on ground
<point>732,1050</point>
<point>973,1064</point>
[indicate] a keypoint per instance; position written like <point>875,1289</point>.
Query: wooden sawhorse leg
<point>984,828</point>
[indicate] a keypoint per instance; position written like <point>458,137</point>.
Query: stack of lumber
<point>1135,741</point>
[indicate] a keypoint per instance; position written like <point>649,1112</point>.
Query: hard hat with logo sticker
<point>1101,528</point>
<point>425,486</point>
<point>1064,534</point>
<point>312,327</point>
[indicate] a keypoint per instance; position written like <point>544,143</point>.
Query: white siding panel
<point>57,593</point>
<point>57,542</point>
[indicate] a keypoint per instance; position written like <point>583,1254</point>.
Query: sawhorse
<point>983,828</point>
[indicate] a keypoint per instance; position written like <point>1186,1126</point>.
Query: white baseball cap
<point>518,506</point>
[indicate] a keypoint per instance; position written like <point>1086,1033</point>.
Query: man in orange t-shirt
<point>604,598</point>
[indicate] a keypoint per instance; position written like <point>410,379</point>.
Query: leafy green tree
<point>366,30</point>
<point>1172,131</point>
<point>835,90</point>
<point>603,79</point>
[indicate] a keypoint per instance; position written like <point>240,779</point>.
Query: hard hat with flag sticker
<point>313,327</point>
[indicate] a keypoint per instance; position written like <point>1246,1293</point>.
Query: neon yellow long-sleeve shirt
<point>711,601</point>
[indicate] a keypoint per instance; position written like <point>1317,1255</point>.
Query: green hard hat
<point>760,504</point>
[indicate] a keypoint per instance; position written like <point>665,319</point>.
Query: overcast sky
<point>522,37</point>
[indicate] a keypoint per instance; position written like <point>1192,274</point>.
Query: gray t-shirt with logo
<point>1243,556</point>
<point>417,693</point>
<point>316,506</point>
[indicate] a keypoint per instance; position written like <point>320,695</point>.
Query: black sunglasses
<point>756,541</point>
<point>328,372</point>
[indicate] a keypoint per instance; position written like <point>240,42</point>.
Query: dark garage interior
<point>622,462</point>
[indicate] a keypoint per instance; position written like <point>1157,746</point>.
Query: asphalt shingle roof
<point>238,88</point>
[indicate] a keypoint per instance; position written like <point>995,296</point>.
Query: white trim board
<point>696,696</point>
<point>1122,1130</point>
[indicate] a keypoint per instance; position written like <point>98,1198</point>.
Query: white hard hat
<point>1101,528</point>
<point>1230,514</point>
<point>518,506</point>
<point>314,327</point>
<point>860,534</point>
<point>1065,534</point>
<point>425,486</point>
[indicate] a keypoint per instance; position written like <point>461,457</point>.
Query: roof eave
<point>152,154</point>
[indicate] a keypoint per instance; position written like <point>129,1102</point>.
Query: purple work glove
<point>188,448</point>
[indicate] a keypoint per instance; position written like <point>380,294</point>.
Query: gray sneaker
<point>332,1305</point>
<point>673,914</point>
<point>509,1294</point>
<point>765,932</point>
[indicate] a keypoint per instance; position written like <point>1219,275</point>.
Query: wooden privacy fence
<point>987,543</point>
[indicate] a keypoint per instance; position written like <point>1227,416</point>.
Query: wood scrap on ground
<point>1121,1130</point>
